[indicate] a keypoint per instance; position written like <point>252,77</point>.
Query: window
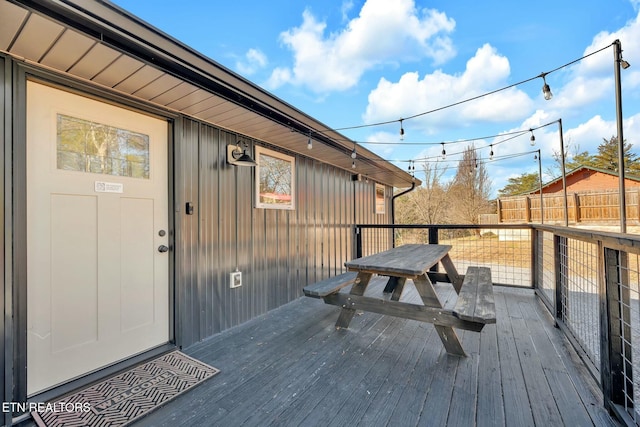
<point>87,146</point>
<point>380,200</point>
<point>275,180</point>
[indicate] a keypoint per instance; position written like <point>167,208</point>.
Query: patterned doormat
<point>124,398</point>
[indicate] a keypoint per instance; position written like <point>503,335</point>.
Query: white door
<point>97,214</point>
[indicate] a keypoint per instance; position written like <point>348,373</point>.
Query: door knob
<point>163,248</point>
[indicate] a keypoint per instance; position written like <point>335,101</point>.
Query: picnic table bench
<point>474,307</point>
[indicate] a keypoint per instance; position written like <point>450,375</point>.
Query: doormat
<point>126,397</point>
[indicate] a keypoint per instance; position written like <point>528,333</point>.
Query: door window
<point>87,146</point>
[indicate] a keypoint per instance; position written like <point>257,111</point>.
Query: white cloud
<point>384,32</point>
<point>587,136</point>
<point>485,71</point>
<point>253,60</point>
<point>591,80</point>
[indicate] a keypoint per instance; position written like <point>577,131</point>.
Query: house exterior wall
<point>278,251</point>
<point>586,180</point>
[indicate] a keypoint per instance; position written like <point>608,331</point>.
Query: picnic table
<point>473,309</point>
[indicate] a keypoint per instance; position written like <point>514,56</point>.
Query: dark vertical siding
<point>277,251</point>
<point>372,240</point>
<point>187,227</point>
<point>209,272</point>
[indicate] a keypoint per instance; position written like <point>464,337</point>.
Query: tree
<point>520,184</point>
<point>607,157</point>
<point>573,158</point>
<point>470,189</point>
<point>427,204</point>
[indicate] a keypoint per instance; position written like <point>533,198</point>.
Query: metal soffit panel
<point>27,35</point>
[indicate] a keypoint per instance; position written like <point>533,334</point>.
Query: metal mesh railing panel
<point>579,302</point>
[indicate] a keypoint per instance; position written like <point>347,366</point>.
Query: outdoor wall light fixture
<point>238,156</point>
<point>546,90</point>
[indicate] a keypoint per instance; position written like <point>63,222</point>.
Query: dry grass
<point>485,249</point>
<point>515,253</point>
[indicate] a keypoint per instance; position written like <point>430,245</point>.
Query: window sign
<point>380,200</point>
<point>275,180</point>
<point>87,146</point>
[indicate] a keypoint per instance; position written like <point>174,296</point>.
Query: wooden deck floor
<point>292,367</point>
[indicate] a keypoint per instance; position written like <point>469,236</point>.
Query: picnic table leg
<point>455,278</point>
<point>358,288</point>
<point>391,285</point>
<point>398,288</point>
<point>450,340</point>
<point>427,292</point>
<point>429,297</point>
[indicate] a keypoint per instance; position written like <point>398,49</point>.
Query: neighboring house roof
<point>578,170</point>
<point>99,42</point>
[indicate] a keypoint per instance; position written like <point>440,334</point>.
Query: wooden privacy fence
<point>595,207</point>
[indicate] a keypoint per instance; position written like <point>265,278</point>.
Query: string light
<point>491,152</point>
<point>412,168</point>
<point>353,164</point>
<point>533,138</point>
<point>517,135</point>
<point>479,160</point>
<point>546,90</point>
<point>353,154</point>
<point>401,131</point>
<point>444,153</point>
<point>309,144</point>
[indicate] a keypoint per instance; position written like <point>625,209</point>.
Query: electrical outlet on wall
<point>235,279</point>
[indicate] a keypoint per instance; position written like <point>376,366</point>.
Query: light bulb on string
<point>353,164</point>
<point>546,90</point>
<point>353,153</point>
<point>401,131</point>
<point>533,138</point>
<point>309,144</point>
<point>491,152</point>
<point>411,167</point>
<point>444,153</point>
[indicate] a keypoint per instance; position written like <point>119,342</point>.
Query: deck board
<point>490,410</point>
<point>292,367</point>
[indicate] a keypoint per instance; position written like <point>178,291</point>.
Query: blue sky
<point>354,63</point>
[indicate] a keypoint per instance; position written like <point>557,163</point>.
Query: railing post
<point>616,370</point>
<point>433,239</point>
<point>433,236</point>
<point>358,232</point>
<point>561,259</point>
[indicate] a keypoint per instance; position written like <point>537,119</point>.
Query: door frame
<point>16,220</point>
